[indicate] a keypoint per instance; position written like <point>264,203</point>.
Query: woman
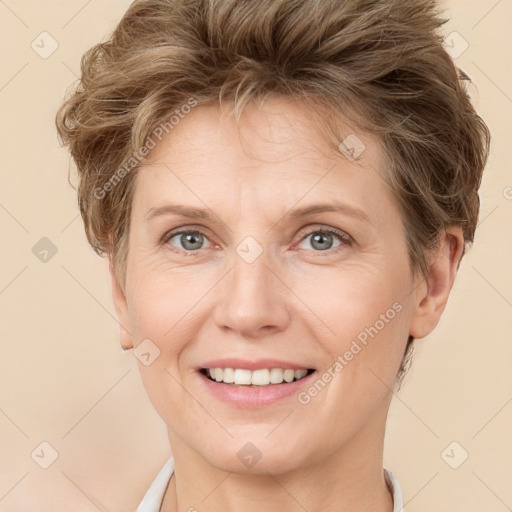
<point>284,190</point>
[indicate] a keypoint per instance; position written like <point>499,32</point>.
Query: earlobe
<point>120,304</point>
<point>432,294</point>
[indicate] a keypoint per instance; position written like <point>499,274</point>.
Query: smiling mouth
<point>255,378</point>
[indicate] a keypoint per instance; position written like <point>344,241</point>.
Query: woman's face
<point>263,284</point>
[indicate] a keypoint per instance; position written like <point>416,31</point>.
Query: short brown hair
<point>381,63</point>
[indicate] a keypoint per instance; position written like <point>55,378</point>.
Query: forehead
<point>276,154</point>
<point>275,130</point>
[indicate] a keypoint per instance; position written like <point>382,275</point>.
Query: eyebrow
<point>205,214</point>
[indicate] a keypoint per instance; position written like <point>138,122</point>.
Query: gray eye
<point>189,240</point>
<point>321,240</point>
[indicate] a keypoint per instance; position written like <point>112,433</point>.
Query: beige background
<point>65,380</point>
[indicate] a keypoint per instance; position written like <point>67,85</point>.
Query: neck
<point>350,478</point>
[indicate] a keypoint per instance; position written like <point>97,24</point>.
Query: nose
<point>252,300</point>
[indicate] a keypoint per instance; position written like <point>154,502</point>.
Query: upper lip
<point>257,364</point>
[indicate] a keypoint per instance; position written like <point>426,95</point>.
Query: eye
<point>188,241</point>
<point>322,240</point>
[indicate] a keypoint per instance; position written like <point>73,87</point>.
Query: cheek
<point>162,299</point>
<point>361,310</point>
<point>161,309</point>
<point>368,313</point>
<point>167,305</point>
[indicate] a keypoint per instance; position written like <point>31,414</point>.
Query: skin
<point>295,302</point>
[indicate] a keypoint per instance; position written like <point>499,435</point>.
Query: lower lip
<point>254,396</point>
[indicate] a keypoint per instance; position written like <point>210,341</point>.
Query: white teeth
<point>300,373</point>
<point>276,376</point>
<point>243,376</point>
<point>229,375</point>
<point>289,375</point>
<point>262,377</point>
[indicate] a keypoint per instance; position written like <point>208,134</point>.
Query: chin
<point>257,457</point>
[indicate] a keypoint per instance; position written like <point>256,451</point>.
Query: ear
<point>121,306</point>
<point>431,295</point>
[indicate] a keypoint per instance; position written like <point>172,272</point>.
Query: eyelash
<point>344,238</point>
